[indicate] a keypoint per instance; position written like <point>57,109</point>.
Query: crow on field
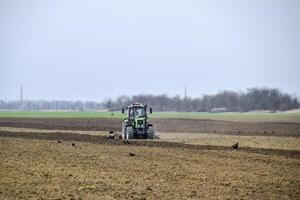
<point>126,142</point>
<point>73,144</point>
<point>235,146</point>
<point>132,154</point>
<point>59,141</point>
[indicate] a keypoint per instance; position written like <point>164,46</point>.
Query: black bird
<point>59,141</point>
<point>235,146</point>
<point>73,144</point>
<point>132,154</point>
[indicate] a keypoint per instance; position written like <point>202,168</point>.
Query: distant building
<point>218,110</point>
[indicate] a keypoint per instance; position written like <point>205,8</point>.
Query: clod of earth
<point>87,187</point>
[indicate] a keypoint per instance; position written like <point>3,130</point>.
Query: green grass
<point>229,116</point>
<point>252,116</point>
<point>59,114</point>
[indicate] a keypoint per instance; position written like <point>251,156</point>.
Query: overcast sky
<point>90,50</point>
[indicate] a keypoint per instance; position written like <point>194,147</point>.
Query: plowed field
<point>77,165</point>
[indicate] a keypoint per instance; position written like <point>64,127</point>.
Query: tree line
<point>231,101</point>
<point>50,105</point>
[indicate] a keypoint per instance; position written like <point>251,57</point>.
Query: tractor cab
<point>135,112</point>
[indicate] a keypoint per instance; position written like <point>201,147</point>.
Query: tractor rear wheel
<point>150,132</point>
<point>129,132</point>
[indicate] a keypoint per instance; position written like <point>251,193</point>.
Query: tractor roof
<point>137,105</point>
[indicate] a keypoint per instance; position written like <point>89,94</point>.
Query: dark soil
<point>162,125</point>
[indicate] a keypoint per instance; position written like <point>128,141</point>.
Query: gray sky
<point>91,50</point>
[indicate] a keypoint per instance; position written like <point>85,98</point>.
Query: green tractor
<point>135,124</point>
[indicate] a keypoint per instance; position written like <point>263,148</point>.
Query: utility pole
<point>185,92</point>
<point>21,97</point>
